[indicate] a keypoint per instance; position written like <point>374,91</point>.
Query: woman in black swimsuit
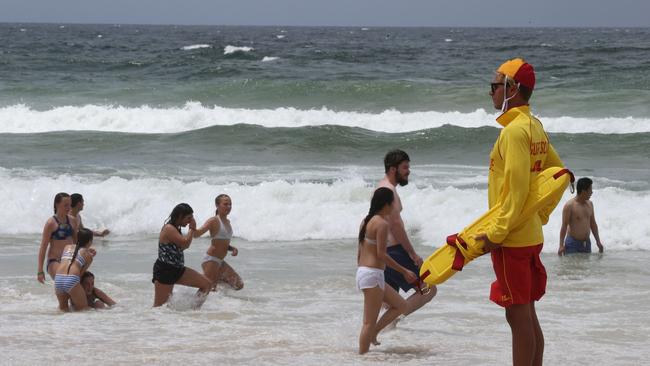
<point>170,268</point>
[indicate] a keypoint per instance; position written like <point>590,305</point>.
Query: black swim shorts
<point>395,279</point>
<point>166,273</point>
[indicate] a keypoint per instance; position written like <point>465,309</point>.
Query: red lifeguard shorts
<point>521,276</point>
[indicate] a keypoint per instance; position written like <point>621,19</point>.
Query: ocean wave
<point>291,211</point>
<point>269,58</point>
<point>229,49</point>
<point>23,119</point>
<point>195,47</point>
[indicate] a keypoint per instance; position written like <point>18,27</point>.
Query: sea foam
<point>294,210</point>
<point>233,49</point>
<point>144,119</point>
<point>195,47</point>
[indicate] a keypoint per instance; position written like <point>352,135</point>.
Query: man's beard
<point>401,180</point>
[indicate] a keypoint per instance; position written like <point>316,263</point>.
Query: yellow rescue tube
<point>545,193</point>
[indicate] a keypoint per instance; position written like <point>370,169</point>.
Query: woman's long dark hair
<point>84,237</point>
<point>58,198</point>
<point>217,201</point>
<point>181,210</point>
<point>383,196</point>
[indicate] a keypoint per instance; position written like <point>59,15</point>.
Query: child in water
<point>96,298</point>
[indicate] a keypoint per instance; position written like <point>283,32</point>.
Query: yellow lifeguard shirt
<point>520,153</point>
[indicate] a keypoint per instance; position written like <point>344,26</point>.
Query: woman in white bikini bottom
<point>372,259</point>
<point>369,277</point>
<point>214,266</point>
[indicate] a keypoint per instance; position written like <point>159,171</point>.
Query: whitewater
<point>435,207</point>
<point>293,124</point>
<point>193,115</point>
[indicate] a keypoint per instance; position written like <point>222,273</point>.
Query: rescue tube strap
<point>425,275</point>
<point>459,260</point>
<point>566,171</point>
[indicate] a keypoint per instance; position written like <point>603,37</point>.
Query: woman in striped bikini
<point>74,262</point>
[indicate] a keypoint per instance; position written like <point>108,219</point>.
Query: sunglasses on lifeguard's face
<point>495,86</point>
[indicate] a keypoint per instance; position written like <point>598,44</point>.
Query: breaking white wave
<point>289,211</point>
<point>193,115</point>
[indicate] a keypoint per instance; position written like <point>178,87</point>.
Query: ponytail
<point>84,237</point>
<point>217,201</point>
<point>362,232</point>
<point>383,196</point>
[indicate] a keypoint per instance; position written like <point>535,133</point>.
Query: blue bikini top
<point>63,231</point>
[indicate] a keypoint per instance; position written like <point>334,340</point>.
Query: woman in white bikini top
<point>372,259</point>
<point>214,266</point>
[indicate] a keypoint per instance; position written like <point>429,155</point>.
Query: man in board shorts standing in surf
<point>520,153</point>
<point>579,220</point>
<point>397,167</point>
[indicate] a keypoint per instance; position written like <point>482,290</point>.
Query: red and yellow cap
<point>520,71</point>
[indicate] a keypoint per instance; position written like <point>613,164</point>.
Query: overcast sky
<point>554,13</point>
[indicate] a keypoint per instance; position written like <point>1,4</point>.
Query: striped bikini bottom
<point>65,282</point>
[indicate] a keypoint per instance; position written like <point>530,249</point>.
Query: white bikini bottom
<point>217,260</point>
<point>368,277</point>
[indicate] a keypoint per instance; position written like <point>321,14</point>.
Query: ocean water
<point>293,124</point>
<point>299,306</point>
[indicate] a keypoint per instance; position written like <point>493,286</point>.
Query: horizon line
<point>331,26</point>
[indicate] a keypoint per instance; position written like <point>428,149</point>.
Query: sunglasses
<point>495,86</point>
